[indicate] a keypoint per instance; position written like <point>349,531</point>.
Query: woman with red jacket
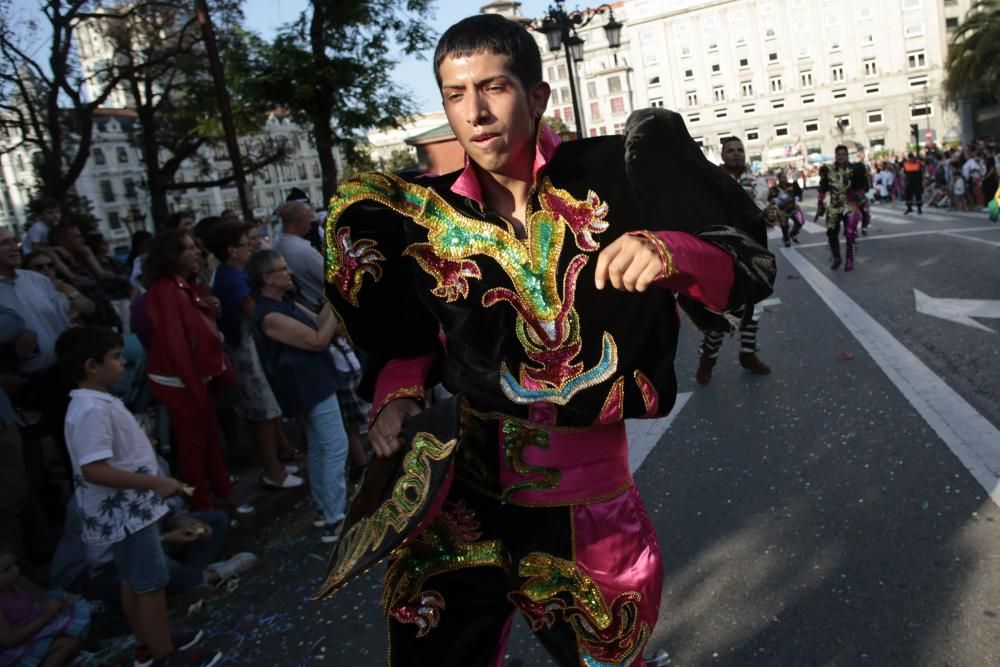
<point>186,362</point>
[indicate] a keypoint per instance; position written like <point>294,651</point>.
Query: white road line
<point>899,235</point>
<point>969,435</point>
<point>972,238</point>
<point>769,302</point>
<point>643,434</point>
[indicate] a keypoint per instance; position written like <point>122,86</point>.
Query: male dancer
<point>846,183</point>
<point>551,270</point>
<point>734,163</point>
<point>785,195</point>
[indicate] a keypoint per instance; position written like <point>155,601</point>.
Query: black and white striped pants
<point>712,341</point>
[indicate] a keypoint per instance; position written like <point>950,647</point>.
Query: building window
<point>710,22</point>
<point>917,29</point>
<point>685,51</point>
<point>802,52</point>
<point>107,192</point>
<point>719,94</point>
<point>649,58</point>
<point>910,4</point>
<point>921,110</point>
<point>614,84</point>
<point>646,36</point>
<point>778,104</point>
<point>831,20</point>
<point>694,118</point>
<point>767,9</point>
<point>595,111</point>
<point>835,45</point>
<point>811,126</point>
<point>744,63</point>
<point>806,79</point>
<point>700,141</point>
<point>713,47</point>
<point>776,84</point>
<point>653,81</point>
<point>692,99</point>
<point>798,4</point>
<point>772,57</point>
<point>781,130</point>
<point>114,220</point>
<point>593,131</point>
<point>839,93</point>
<point>916,59</point>
<point>950,24</point>
<point>808,99</point>
<point>716,68</point>
<point>721,113</point>
<point>657,103</point>
<point>130,190</point>
<point>562,71</point>
<point>619,128</point>
<point>753,135</point>
<point>689,74</point>
<point>617,105</point>
<point>871,67</point>
<point>877,143</point>
<point>875,117</point>
<point>552,73</point>
<point>682,28</point>
<point>591,89</point>
<point>865,13</point>
<point>99,158</point>
<point>843,121</point>
<point>770,33</point>
<point>871,89</point>
<point>837,73</point>
<point>867,39</point>
<point>740,40</point>
<point>122,154</point>
<point>569,115</point>
<point>749,108</point>
<point>746,89</point>
<point>737,16</point>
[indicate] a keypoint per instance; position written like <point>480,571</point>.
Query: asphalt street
<point>835,512</point>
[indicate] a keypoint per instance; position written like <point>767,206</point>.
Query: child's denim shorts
<point>140,560</point>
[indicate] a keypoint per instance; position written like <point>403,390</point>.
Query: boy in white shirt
<point>118,492</point>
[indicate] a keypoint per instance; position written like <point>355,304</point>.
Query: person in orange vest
<point>913,173</point>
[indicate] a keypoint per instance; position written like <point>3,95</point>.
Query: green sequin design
<point>517,438</point>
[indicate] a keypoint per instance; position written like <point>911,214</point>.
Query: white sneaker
<point>235,566</point>
<point>329,538</point>
<point>245,508</point>
<point>320,522</point>
<point>290,482</point>
<point>291,468</point>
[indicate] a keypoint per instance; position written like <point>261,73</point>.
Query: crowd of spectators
<point>208,323</point>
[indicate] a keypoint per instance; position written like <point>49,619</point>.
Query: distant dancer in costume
<point>785,196</point>
<point>845,184</point>
<point>734,163</point>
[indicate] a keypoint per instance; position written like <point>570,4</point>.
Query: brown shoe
<point>704,374</point>
<point>751,362</point>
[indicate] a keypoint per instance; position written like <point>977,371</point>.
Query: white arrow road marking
<point>643,434</point>
<point>969,435</point>
<point>960,311</point>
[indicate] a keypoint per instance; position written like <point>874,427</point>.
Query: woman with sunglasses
<point>80,308</point>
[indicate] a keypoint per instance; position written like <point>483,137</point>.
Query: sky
<point>265,16</point>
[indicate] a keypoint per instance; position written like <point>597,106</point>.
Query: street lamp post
<point>560,32</point>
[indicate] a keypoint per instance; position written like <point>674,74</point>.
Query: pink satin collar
<point>467,183</point>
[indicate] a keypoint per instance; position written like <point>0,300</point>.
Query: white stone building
<point>383,143</point>
<point>112,181</point>
<point>790,77</point>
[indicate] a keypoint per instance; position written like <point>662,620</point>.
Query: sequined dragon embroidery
<point>610,635</point>
<point>547,326</point>
<point>450,543</point>
<point>352,260</point>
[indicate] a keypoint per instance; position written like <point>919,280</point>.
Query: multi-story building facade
<point>791,78</point>
<point>113,179</point>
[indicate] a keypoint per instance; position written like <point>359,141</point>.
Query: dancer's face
<point>491,113</point>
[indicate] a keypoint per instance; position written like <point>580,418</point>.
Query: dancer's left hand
<point>631,263</point>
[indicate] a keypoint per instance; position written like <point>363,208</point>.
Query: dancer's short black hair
<point>841,147</point>
<point>492,33</point>
<point>729,140</point>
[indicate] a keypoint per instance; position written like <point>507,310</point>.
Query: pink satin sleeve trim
<point>704,272</point>
<point>401,378</point>
<point>592,464</point>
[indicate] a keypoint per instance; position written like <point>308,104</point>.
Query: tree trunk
<point>325,144</point>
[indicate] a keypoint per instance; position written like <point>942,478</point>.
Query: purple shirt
<point>231,286</point>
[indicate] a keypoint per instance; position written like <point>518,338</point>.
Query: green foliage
<point>556,124</point>
<point>399,160</point>
<point>332,69</point>
<point>973,61</point>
